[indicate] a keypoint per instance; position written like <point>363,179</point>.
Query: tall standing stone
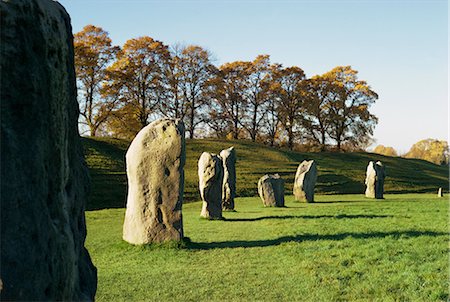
<point>155,171</point>
<point>271,190</point>
<point>229,178</point>
<point>305,181</point>
<point>440,194</point>
<point>44,178</point>
<point>375,175</point>
<point>210,174</point>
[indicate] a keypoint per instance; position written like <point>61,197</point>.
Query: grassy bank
<point>339,173</point>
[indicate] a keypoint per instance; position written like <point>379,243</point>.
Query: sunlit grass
<point>342,248</point>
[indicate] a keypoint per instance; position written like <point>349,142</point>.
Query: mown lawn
<point>342,248</point>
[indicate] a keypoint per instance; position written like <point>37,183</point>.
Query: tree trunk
<point>290,138</point>
<point>191,117</point>
<point>93,130</point>
<point>322,142</point>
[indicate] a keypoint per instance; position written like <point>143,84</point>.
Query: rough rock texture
<point>271,190</point>
<point>210,174</point>
<point>305,181</point>
<point>155,171</point>
<point>440,194</point>
<point>44,179</point>
<point>229,178</point>
<point>375,175</point>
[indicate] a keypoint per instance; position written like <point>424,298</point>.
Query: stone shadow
<point>309,237</point>
<point>343,216</point>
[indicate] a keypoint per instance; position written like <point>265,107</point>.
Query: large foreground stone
<point>271,190</point>
<point>229,178</point>
<point>375,175</point>
<point>155,171</point>
<point>305,181</point>
<point>44,179</point>
<point>210,174</point>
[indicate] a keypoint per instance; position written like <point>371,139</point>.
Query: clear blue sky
<point>399,47</point>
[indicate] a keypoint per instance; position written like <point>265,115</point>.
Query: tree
<point>286,89</point>
<point>388,151</point>
<point>123,122</point>
<point>349,116</point>
<point>174,105</point>
<point>229,87</point>
<point>318,95</point>
<point>136,78</point>
<point>256,95</point>
<point>196,72</point>
<point>93,53</point>
<point>432,150</point>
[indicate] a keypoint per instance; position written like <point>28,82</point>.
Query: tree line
<point>122,89</point>
<point>432,150</point>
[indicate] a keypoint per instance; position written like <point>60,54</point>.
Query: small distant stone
<point>305,181</point>
<point>229,178</point>
<point>375,176</point>
<point>440,194</point>
<point>271,190</point>
<point>210,174</point>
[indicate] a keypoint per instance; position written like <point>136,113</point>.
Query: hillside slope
<point>339,173</point>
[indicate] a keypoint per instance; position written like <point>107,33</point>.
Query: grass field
<point>342,248</point>
<point>339,173</point>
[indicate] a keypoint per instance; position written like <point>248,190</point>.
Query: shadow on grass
<point>309,237</point>
<point>343,216</point>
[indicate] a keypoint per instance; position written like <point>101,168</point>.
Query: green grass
<point>342,248</point>
<point>339,173</point>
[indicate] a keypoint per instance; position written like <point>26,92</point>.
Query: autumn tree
<point>272,120</point>
<point>350,119</point>
<point>384,150</point>
<point>93,53</point>
<point>196,72</point>
<point>229,87</point>
<point>256,95</point>
<point>287,92</point>
<point>136,77</point>
<point>174,104</point>
<point>318,94</point>
<point>432,150</point>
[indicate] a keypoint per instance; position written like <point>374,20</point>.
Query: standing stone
<point>229,178</point>
<point>210,174</point>
<point>305,181</point>
<point>155,171</point>
<point>271,190</point>
<point>44,178</point>
<point>375,175</point>
<point>440,194</point>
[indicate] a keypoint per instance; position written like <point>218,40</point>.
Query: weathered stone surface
<point>375,175</point>
<point>229,178</point>
<point>210,174</point>
<point>271,190</point>
<point>440,194</point>
<point>155,171</point>
<point>44,179</point>
<point>305,181</point>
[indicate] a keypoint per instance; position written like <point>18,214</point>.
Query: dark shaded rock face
<point>229,178</point>
<point>44,180</point>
